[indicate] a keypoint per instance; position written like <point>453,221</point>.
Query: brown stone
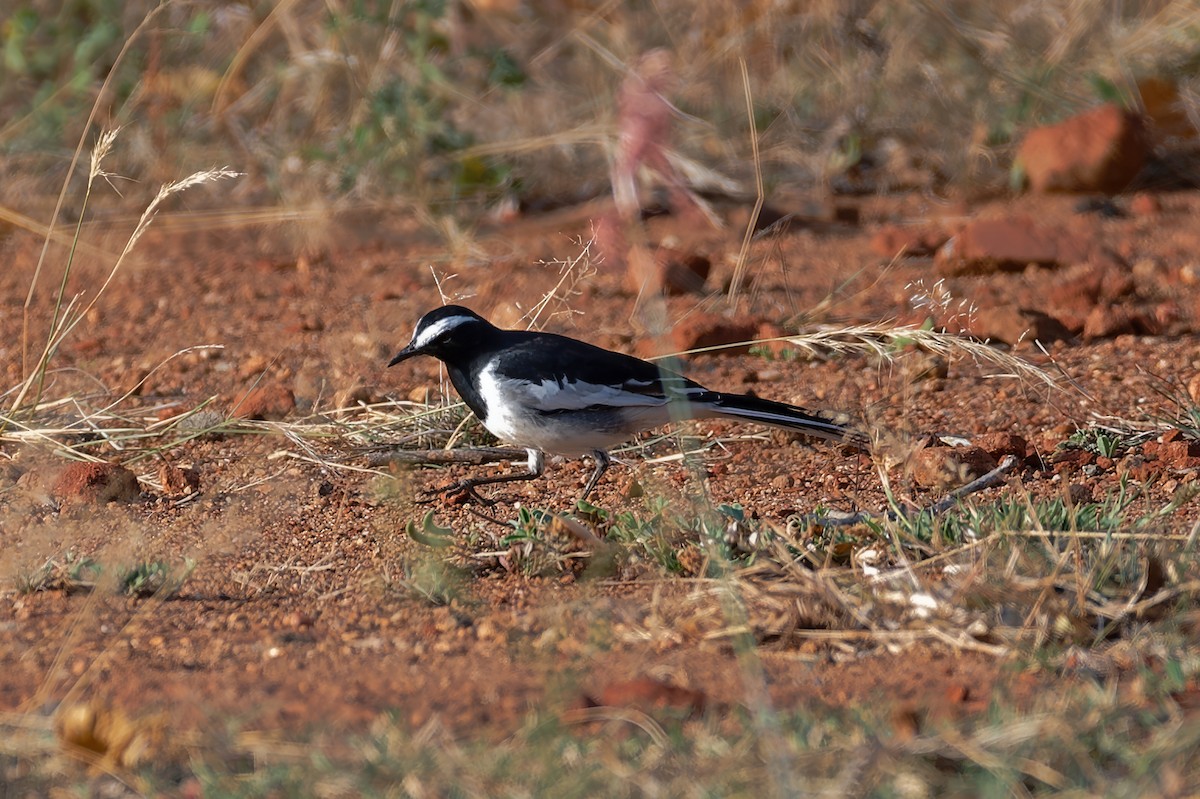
<point>1071,459</point>
<point>1100,150</point>
<point>97,483</point>
<point>1144,204</point>
<point>355,394</point>
<point>1079,493</point>
<point>843,213</point>
<point>1000,444</point>
<point>1009,244</point>
<point>768,337</point>
<point>647,694</point>
<point>1174,434</point>
<point>1011,324</point>
<point>1193,388</point>
<point>266,401</point>
<point>176,481</point>
<point>1180,454</point>
<point>702,330</point>
<point>901,241</point>
<point>1165,109</point>
<point>1106,321</point>
<point>678,271</point>
<point>1081,287</point>
<point>945,467</point>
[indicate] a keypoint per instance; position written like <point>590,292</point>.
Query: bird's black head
<point>446,333</point>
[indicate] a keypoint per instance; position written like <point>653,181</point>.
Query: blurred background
<point>469,106</point>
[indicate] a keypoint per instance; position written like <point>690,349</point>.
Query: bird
<point>549,393</point>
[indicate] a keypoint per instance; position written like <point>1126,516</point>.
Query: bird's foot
<point>459,492</point>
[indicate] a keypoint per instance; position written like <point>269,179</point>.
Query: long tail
<point>779,414</point>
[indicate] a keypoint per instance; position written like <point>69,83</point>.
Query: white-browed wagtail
<point>551,393</point>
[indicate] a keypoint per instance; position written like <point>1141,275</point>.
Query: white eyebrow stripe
<point>423,338</point>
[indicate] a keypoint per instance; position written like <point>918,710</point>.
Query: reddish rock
<point>1144,204</point>
<point>1087,284</point>
<point>957,693</point>
<point>1079,494</point>
<point>356,393</point>
<point>1165,109</point>
<point>176,481</point>
<point>947,467</point>
<point>1106,321</point>
<point>170,412</point>
<point>1071,459</point>
<point>702,330</point>
<point>1167,316</point>
<point>1136,467</point>
<point>97,483</point>
<point>1000,444</point>
<point>266,401</point>
<point>767,337</point>
<point>1010,324</point>
<point>675,272</point>
<point>304,323</point>
<point>842,213</point>
<point>1180,454</point>
<point>647,694</point>
<point>1174,434</point>
<point>892,241</point>
<point>740,217</point>
<point>1009,244</point>
<point>1100,150</point>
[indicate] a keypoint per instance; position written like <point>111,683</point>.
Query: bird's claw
<point>459,492</point>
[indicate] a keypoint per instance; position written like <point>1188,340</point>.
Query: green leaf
<point>735,512</point>
<point>589,510</point>
<point>430,534</point>
<point>505,71</point>
<point>1105,89</point>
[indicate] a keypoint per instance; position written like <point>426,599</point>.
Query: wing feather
<point>536,370</point>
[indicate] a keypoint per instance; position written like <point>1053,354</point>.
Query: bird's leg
<point>602,463</point>
<point>537,466</point>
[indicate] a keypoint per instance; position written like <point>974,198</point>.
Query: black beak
<point>403,355</point>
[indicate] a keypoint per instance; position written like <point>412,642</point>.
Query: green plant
<point>402,132</point>
<point>530,525</point>
<point>662,532</point>
<point>1104,441</point>
<point>61,56</point>
<point>429,533</point>
<point>71,574</point>
<point>155,578</point>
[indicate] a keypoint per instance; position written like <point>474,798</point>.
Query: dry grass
<point>1087,738</point>
<point>432,105</point>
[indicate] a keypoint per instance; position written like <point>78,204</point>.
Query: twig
<point>476,456</point>
<point>978,484</point>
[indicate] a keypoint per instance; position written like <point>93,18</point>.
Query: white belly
<point>539,417</point>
